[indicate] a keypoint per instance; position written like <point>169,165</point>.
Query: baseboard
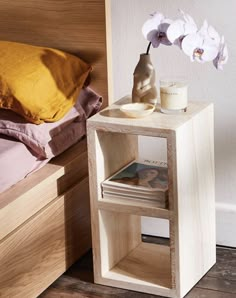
<point>155,227</point>
<point>225,225</point>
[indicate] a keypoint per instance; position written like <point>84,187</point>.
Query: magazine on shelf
<point>161,203</point>
<point>141,178</point>
<point>137,193</point>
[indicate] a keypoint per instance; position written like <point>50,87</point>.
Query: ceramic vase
<point>144,81</point>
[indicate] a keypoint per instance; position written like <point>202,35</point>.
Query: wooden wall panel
<point>75,26</point>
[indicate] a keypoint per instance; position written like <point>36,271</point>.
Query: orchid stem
<point>148,48</point>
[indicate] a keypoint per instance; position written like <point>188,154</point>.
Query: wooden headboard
<point>76,26</point>
<point>34,249</point>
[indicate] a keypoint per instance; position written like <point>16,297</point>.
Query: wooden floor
<point>219,282</point>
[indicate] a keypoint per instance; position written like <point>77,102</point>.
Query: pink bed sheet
<point>51,139</point>
<point>16,162</point>
<point>18,157</point>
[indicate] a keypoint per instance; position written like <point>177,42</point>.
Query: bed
<point>45,218</point>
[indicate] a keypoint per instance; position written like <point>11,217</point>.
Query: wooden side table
<point>120,257</point>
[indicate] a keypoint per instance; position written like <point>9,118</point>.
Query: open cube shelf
<point>126,260</point>
<point>120,257</point>
<point>120,236</point>
<point>155,263</point>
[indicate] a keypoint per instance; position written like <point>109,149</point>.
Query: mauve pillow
<point>50,139</point>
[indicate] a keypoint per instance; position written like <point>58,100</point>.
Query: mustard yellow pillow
<point>41,84</point>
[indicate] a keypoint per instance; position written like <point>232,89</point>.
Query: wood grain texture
<point>173,208</point>
<point>195,216</point>
<point>225,267</point>
<point>46,245</point>
<point>204,81</point>
<point>102,163</point>
<point>191,213</point>
<point>119,234</point>
<point>78,280</point>
<point>70,287</point>
<point>218,284</point>
<point>28,263</point>
<point>157,124</point>
<point>77,27</point>
<point>138,207</point>
<point>42,187</point>
<point>203,293</point>
<point>145,267</point>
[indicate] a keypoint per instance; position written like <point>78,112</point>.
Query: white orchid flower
<point>180,28</point>
<point>155,29</point>
<point>202,46</point>
<point>222,56</point>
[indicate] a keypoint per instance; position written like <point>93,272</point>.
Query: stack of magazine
<point>139,180</point>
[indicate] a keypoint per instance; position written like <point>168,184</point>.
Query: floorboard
<point>77,282</point>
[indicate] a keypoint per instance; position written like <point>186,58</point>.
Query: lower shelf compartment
<point>147,265</point>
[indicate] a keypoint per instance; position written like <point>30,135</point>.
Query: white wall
<point>205,82</point>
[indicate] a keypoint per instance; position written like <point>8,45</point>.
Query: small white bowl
<point>137,110</point>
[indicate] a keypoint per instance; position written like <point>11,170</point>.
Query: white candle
<point>174,95</point>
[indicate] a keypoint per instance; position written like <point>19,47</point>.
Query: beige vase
<point>144,81</point>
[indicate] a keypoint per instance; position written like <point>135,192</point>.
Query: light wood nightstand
<point>120,257</point>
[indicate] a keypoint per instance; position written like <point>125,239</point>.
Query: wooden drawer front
<point>41,249</point>
<point>46,184</point>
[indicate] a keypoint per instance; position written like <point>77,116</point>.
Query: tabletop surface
<point>112,116</point>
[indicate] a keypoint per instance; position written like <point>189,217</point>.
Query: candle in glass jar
<point>174,95</point>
